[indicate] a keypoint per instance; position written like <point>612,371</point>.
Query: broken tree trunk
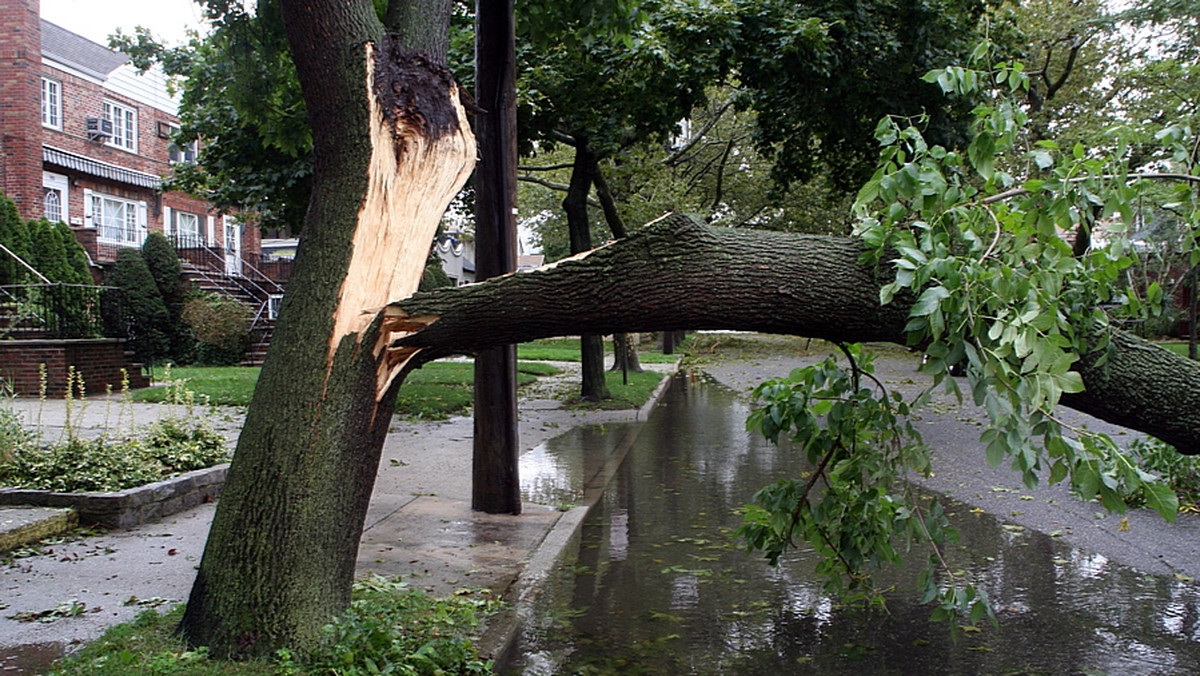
<point>772,282</point>
<point>392,148</point>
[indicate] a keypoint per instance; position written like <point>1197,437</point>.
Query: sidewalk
<point>419,526</point>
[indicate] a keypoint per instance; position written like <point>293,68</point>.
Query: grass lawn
<point>436,390</point>
<point>224,385</point>
<point>1180,349</point>
<point>567,349</point>
<point>633,395</point>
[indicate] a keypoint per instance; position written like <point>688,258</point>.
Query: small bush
<point>222,329</point>
<point>180,447</point>
<point>144,310</point>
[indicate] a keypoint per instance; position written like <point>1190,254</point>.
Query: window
<point>119,221</point>
<point>187,229</point>
<point>52,205</point>
<point>51,103</point>
<point>185,153</point>
<point>124,122</point>
<point>54,197</point>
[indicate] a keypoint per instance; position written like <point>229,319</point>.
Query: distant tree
<point>145,314</point>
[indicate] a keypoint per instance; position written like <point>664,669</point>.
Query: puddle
<point>659,585</point>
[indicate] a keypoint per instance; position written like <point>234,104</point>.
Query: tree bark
<point>625,356</point>
<point>496,485</point>
<point>391,149</point>
<point>772,282</point>
<point>593,386</point>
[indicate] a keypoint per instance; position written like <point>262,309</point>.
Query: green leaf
<point>928,301</point>
<point>1161,499</point>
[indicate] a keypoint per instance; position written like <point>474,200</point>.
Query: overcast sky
<point>97,19</point>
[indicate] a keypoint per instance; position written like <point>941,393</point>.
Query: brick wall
<point>20,107</point>
<point>99,361</point>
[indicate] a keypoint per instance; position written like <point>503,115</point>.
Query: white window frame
<point>124,123</point>
<point>182,154</point>
<point>59,185</point>
<point>186,227</point>
<point>119,221</point>
<point>51,103</point>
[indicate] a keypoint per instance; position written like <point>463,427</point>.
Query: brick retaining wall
<point>98,360</point>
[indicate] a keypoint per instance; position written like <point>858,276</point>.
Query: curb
<point>20,526</point>
<point>133,506</point>
<point>499,638</point>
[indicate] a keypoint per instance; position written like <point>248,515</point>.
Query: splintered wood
<point>411,181</point>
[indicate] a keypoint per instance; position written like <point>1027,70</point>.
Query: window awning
<point>85,165</point>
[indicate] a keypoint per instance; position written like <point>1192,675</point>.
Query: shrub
<point>180,447</point>
<point>169,446</point>
<point>163,263</point>
<point>14,234</point>
<point>144,311</point>
<point>221,326</point>
<point>80,465</point>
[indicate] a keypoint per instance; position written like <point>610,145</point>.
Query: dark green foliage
<point>48,254</point>
<point>222,329</point>
<point>77,258</point>
<point>14,235</point>
<point>167,271</point>
<point>821,74</point>
<point>145,313</point>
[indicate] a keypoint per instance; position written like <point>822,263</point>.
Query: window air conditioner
<point>99,128</point>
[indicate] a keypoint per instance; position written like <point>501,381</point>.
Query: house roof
<point>78,52</point>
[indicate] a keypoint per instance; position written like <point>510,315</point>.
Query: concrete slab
<point>20,526</point>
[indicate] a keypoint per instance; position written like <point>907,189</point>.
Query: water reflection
<point>659,585</point>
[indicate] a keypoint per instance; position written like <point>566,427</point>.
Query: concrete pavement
<point>419,525</point>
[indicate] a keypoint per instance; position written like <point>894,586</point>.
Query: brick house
<point>86,139</point>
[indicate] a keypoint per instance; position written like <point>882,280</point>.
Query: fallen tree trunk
<point>684,275</point>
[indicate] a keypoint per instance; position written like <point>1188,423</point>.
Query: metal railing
<point>210,261</point>
<point>61,311</point>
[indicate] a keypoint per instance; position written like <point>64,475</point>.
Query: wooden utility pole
<point>496,486</point>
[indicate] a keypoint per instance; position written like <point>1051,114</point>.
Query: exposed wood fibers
<point>411,180</point>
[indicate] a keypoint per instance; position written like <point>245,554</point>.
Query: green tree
<point>142,306</point>
<point>47,254</point>
<point>167,271</point>
<point>14,235</point>
<point>283,544</point>
<point>76,255</point>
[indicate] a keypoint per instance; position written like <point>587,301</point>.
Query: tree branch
<point>689,276</point>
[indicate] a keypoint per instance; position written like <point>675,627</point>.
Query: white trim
<point>124,120</point>
<point>52,103</point>
<point>52,181</point>
<point>212,237</point>
<point>88,221</point>
<point>167,224</point>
